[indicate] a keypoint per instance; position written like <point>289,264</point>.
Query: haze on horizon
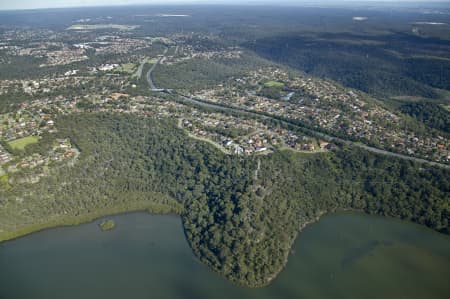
<point>33,4</point>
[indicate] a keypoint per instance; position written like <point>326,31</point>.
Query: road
<point>325,136</point>
<point>200,102</point>
<point>138,73</point>
<point>150,71</point>
<point>384,152</point>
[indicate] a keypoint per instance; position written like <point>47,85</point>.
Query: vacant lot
<point>21,143</point>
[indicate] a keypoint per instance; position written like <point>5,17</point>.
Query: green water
<point>346,255</point>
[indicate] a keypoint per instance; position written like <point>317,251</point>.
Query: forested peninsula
<point>241,215</point>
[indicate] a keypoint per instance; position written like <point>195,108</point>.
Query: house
<point>228,142</point>
<point>323,144</point>
<point>238,150</point>
<point>331,147</point>
<point>116,96</point>
<point>68,154</point>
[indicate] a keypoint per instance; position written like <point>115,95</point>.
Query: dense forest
<point>382,65</point>
<point>241,215</point>
<point>433,115</point>
<point>10,101</point>
<point>198,74</point>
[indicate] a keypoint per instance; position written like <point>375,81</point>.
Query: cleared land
<point>103,26</point>
<point>21,143</point>
<point>129,68</point>
<point>274,84</point>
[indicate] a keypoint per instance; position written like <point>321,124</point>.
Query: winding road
<point>202,103</point>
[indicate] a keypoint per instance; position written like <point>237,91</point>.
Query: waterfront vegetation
<point>239,219</point>
<point>100,143</point>
<point>107,225</point>
<point>153,253</point>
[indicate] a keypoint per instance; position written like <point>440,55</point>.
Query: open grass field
<point>21,143</point>
<point>274,84</point>
<point>129,68</point>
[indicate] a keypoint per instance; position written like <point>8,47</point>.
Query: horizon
<point>64,4</point>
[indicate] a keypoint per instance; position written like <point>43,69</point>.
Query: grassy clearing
<point>129,68</point>
<point>4,181</point>
<point>274,84</point>
<point>21,143</point>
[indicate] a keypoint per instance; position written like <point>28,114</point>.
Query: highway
<point>150,71</point>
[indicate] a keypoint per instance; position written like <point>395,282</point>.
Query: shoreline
<point>68,221</point>
<point>64,221</point>
<point>163,210</point>
<point>274,276</point>
<point>316,219</point>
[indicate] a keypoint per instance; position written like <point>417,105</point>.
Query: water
<point>346,255</point>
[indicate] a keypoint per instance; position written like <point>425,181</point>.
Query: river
<point>344,255</point>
